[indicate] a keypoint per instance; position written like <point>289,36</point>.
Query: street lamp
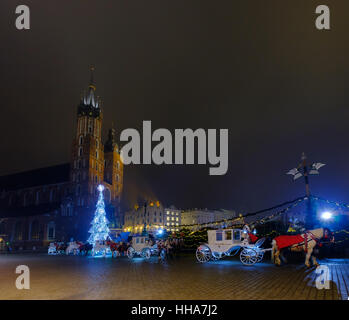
<point>302,170</point>
<point>326,215</point>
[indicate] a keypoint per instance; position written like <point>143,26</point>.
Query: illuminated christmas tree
<point>99,230</point>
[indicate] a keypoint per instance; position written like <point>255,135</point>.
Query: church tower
<point>87,168</point>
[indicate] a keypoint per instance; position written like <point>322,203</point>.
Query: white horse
<point>73,247</point>
<point>303,242</point>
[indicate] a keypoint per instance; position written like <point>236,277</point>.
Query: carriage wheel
<point>146,253</point>
<point>248,256</point>
<point>260,255</point>
<point>215,257</point>
<point>203,253</point>
<point>130,252</point>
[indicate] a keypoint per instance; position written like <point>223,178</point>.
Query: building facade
<point>58,202</point>
<point>202,216</point>
<point>153,216</point>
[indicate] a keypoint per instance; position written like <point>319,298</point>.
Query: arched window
<point>80,151</point>
<point>107,195</point>
<point>51,230</point>
<point>18,231</point>
<point>34,231</point>
<point>2,227</point>
<point>96,154</point>
<point>77,189</point>
<point>37,197</point>
<point>117,178</point>
<point>80,140</point>
<point>25,199</point>
<point>52,195</point>
<point>10,200</point>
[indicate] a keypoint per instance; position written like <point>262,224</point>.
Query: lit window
<point>176,218</point>
<point>168,218</point>
<point>167,223</point>
<point>168,212</point>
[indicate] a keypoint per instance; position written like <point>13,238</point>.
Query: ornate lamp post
<point>303,170</point>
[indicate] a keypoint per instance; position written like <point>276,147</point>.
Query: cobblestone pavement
<point>74,277</point>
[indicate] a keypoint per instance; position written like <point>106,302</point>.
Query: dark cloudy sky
<point>259,68</point>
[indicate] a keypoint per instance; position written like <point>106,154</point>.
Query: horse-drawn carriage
<point>142,246</point>
<point>229,242</point>
<point>56,248</point>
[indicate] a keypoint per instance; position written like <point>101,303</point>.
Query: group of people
<point>168,248</point>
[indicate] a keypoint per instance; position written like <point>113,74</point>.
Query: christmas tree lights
<point>99,230</point>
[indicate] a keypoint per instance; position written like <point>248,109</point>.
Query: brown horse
<point>302,242</point>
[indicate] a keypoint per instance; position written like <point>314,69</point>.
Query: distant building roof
<point>37,177</point>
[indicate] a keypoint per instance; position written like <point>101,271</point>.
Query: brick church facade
<point>57,203</point>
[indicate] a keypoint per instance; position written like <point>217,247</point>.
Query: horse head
<point>328,235</point>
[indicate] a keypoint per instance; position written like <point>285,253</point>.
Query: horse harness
<point>308,235</point>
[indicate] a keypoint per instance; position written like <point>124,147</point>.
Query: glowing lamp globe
<point>100,188</point>
<point>326,215</point>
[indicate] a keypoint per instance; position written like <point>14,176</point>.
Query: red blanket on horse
<point>287,241</point>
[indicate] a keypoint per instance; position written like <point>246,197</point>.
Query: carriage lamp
<point>160,231</point>
<point>100,188</point>
<point>326,215</point>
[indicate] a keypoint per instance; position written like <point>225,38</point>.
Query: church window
<point>51,231</point>
<point>96,154</point>
<point>18,231</point>
<point>35,232</point>
<point>80,140</point>
<point>80,151</point>
<point>37,199</point>
<point>96,180</point>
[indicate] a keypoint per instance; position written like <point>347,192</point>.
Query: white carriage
<point>52,249</point>
<point>141,246</point>
<point>229,242</point>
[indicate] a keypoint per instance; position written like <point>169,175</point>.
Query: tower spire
<point>92,83</point>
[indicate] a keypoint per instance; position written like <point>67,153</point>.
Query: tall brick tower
<point>113,175</point>
<point>87,168</point>
<point>93,162</point>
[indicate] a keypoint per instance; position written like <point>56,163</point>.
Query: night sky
<point>259,68</point>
